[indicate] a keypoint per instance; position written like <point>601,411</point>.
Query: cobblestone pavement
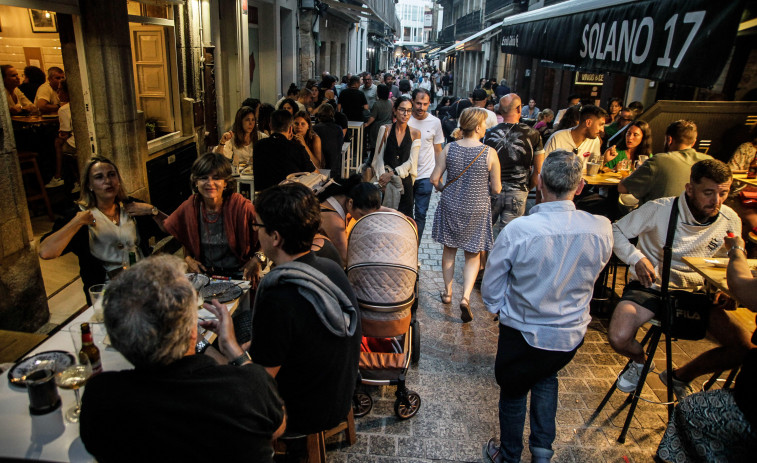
<point>455,379</point>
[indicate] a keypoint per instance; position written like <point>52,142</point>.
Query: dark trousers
<point>520,368</point>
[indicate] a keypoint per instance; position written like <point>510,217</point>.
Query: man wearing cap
<point>479,98</point>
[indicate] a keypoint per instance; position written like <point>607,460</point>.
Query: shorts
<point>648,298</point>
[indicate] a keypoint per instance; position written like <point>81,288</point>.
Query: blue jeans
<point>422,196</point>
<point>520,368</point>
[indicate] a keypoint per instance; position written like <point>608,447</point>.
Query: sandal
<point>446,298</point>
<point>465,313</point>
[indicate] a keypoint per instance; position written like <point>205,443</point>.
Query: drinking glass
<point>74,376</point>
<point>96,293</point>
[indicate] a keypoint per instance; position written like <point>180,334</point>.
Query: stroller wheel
<point>408,407</point>
<point>362,404</point>
<point>415,354</point>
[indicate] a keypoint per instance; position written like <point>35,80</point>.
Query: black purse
<point>687,312</point>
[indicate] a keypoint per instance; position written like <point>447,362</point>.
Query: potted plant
<point>151,126</point>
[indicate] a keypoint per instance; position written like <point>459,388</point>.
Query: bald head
<point>509,107</point>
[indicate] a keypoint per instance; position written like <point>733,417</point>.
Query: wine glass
<point>75,376</point>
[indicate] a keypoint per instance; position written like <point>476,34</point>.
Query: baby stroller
<point>382,266</point>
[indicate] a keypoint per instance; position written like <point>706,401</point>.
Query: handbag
<point>687,312</point>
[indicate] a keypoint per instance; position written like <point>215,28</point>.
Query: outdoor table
<point>49,437</point>
<point>742,179</point>
<point>28,121</point>
<point>603,179</point>
<point>714,275</point>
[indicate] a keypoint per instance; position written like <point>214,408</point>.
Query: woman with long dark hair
<point>638,142</point>
<point>304,134</point>
<point>237,143</point>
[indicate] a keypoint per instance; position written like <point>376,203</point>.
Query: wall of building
<point>17,35</point>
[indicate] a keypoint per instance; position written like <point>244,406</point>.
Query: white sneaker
<point>54,182</point>
<point>680,388</point>
<point>76,188</point>
<point>628,381</point>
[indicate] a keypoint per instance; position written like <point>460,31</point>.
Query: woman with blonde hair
<point>464,218</point>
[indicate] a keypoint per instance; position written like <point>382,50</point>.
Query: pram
<point>382,266</point>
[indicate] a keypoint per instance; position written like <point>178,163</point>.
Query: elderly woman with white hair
<point>464,217</point>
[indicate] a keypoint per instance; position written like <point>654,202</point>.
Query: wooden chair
<point>316,443</point>
<point>28,163</point>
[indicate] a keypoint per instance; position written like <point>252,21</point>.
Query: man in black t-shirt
<point>352,101</point>
<point>521,155</point>
<point>306,325</point>
<point>278,156</point>
<point>157,411</point>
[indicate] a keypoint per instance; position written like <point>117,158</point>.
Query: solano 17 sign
<point>684,41</point>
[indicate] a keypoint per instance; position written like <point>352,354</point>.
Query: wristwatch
<point>261,257</point>
<point>241,360</point>
<point>201,346</point>
<point>155,211</point>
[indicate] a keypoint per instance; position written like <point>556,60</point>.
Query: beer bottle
<point>89,349</point>
<point>752,172</point>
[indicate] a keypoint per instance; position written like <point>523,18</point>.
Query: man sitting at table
<point>703,222</point>
<point>47,94</point>
<point>278,155</point>
<point>175,406</point>
<point>305,326</point>
<point>17,101</point>
<point>666,174</point>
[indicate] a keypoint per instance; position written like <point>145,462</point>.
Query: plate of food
<point>17,374</point>
<point>198,280</point>
<point>718,263</point>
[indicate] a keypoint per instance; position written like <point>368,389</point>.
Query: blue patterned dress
<point>464,217</point>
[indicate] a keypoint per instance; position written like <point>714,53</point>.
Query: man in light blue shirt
<point>539,279</point>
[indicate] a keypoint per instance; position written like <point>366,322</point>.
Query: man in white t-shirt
<point>65,143</point>
<point>47,94</point>
<point>582,139</point>
<point>432,138</point>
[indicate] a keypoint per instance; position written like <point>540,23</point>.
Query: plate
<point>19,371</point>
<point>716,263</point>
<point>198,280</point>
<point>224,291</point>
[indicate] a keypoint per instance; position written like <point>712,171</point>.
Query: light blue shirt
<point>541,272</point>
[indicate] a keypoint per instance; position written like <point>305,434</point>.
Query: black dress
<point>395,155</point>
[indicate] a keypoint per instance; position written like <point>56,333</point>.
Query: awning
<point>682,41</point>
<point>460,44</point>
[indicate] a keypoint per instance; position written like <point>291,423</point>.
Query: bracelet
<point>241,360</point>
<point>738,248</point>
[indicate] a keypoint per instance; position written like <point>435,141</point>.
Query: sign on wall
<point>683,41</point>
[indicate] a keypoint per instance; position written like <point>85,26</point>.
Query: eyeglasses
<point>404,111</point>
<point>257,226</point>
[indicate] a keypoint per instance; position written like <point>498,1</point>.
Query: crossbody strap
<point>667,250</point>
<point>466,168</point>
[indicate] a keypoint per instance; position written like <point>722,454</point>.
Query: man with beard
<point>702,225</point>
<point>520,155</point>
<point>582,139</point>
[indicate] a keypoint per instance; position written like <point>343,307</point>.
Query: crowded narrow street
<point>455,379</point>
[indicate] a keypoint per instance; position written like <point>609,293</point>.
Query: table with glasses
<point>603,179</point>
<point>50,437</point>
<point>747,181</point>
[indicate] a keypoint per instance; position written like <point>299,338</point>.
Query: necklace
<point>210,217</point>
<point>115,218</point>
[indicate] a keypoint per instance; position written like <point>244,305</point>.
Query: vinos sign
<point>684,41</point>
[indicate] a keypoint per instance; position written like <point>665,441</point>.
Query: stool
<point>651,340</point>
<point>316,443</point>
<point>28,162</point>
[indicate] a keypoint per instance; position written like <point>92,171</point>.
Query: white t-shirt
<point>563,140</point>
<point>431,134</point>
<point>46,92</point>
<point>64,117</point>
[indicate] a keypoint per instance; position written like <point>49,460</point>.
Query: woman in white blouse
<point>237,143</point>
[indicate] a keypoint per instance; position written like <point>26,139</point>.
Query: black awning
<point>682,41</point>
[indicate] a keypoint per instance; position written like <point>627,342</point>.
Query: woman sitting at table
<point>638,143</point>
<point>215,224</point>
<point>237,143</point>
<point>103,227</point>
<point>303,133</point>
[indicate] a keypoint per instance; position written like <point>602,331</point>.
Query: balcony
<point>447,35</point>
<point>468,24</point>
<point>495,5</point>
<point>498,9</point>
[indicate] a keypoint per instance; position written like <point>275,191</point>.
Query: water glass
<point>96,293</point>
